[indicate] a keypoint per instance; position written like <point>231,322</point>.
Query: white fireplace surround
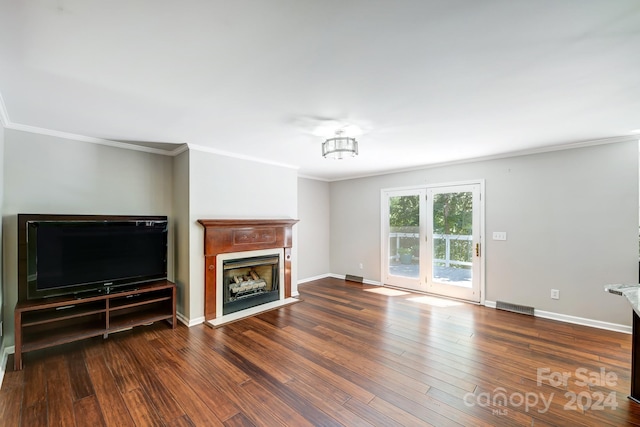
<point>282,301</point>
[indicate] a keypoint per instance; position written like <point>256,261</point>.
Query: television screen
<point>80,255</point>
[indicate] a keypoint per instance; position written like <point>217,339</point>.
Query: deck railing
<point>447,261</point>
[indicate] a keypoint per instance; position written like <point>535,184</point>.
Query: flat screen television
<point>88,254</point>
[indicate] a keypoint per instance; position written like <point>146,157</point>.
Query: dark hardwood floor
<point>347,354</point>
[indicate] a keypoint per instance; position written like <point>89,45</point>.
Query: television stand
<point>106,291</point>
<point>49,322</point>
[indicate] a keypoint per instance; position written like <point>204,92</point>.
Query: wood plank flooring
<point>347,354</point>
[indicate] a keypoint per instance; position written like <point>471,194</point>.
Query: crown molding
<point>239,156</point>
<point>315,178</point>
<point>124,145</point>
<point>179,150</point>
<point>6,122</point>
<point>4,118</point>
<point>506,155</point>
<point>84,138</point>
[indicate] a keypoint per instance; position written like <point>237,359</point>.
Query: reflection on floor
<point>390,292</point>
<point>449,275</point>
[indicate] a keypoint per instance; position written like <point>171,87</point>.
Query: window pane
<point>404,236</point>
<point>452,238</point>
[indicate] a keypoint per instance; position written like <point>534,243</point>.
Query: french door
<point>432,240</point>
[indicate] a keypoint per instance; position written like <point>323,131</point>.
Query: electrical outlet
<point>499,235</point>
<point>555,294</point>
<point>361,266</point>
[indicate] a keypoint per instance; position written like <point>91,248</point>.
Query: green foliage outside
<point>404,211</point>
<point>452,215</point>
<point>404,217</point>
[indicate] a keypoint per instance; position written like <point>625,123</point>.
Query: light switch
<point>499,235</point>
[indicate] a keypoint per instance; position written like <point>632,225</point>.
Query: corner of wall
<point>4,357</point>
<point>3,122</point>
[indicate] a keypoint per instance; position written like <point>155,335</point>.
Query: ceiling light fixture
<point>339,147</point>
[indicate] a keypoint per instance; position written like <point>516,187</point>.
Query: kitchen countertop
<point>632,292</point>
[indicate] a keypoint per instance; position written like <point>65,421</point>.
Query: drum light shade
<point>339,147</point>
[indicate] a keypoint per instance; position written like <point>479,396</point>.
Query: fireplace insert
<point>249,282</point>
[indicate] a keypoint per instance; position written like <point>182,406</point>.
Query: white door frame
<point>385,217</point>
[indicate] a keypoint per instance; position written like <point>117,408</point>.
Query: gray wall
<point>227,187</point>
<point>314,214</point>
<point>2,310</point>
<point>181,230</point>
<point>571,218</point>
<point>56,175</point>
<point>45,174</point>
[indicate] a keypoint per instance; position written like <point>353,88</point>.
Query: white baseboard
<point>189,322</point>
<point>538,313</point>
<point>3,364</point>
<point>574,320</point>
<point>583,321</point>
<point>365,281</point>
<point>311,279</point>
<point>337,276</point>
<point>4,356</point>
<point>196,321</point>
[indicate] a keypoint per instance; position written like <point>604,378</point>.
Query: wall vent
<point>352,278</point>
<point>522,309</point>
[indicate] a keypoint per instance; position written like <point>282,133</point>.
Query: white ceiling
<point>427,81</point>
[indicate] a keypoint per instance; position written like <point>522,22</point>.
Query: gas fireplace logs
<point>243,286</point>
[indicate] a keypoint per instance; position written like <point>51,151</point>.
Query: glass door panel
<point>404,228</point>
<point>453,230</point>
<point>452,238</point>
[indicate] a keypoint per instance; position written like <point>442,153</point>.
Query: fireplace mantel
<point>240,235</point>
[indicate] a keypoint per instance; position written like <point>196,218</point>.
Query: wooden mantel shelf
<point>246,222</point>
<point>239,235</point>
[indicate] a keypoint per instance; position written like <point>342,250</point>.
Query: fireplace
<point>248,279</point>
<point>247,267</point>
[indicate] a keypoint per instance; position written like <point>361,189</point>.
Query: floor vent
<point>522,309</point>
<point>351,278</point>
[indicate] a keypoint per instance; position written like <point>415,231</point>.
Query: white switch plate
<point>499,235</point>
